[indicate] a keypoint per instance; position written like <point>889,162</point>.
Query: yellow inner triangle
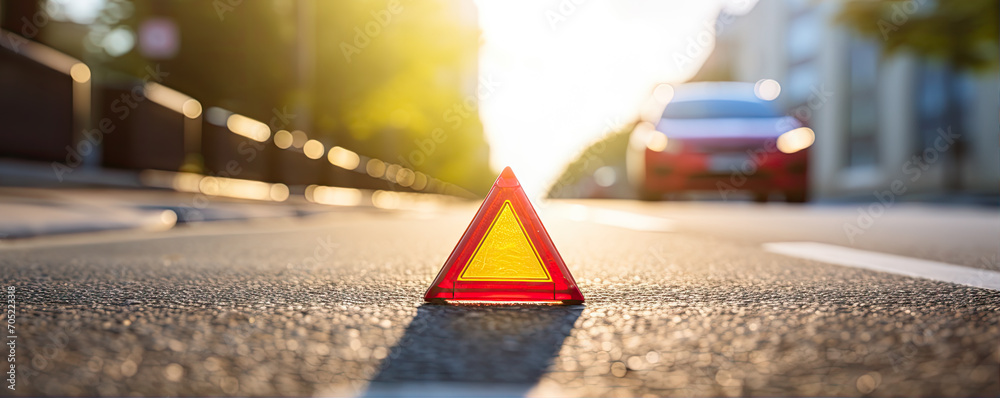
<point>505,253</point>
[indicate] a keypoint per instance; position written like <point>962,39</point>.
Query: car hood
<point>727,128</point>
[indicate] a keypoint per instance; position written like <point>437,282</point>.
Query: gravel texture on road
<point>335,308</point>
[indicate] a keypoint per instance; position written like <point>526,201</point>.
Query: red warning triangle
<point>505,255</point>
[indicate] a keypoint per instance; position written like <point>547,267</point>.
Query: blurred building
<point>878,118</point>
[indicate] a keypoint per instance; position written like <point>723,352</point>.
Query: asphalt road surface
<point>683,299</point>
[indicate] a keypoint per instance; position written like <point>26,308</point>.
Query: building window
<point>804,31</point>
<point>862,138</point>
<point>937,88</point>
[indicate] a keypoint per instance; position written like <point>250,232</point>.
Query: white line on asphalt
<point>890,263</point>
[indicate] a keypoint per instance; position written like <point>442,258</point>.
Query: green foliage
<point>607,151</point>
<point>411,64</point>
<point>404,82</point>
<point>963,33</point>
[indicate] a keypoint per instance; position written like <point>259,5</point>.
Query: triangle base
<point>491,302</point>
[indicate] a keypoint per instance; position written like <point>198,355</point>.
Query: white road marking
<point>890,263</point>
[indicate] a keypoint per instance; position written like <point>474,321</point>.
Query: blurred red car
<point>717,136</point>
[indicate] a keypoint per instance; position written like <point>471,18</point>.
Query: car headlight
<point>645,136</point>
<point>659,142</point>
<point>796,140</point>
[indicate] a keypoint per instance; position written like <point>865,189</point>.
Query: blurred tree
<point>391,79</point>
<point>241,58</point>
<point>962,34</point>
<point>576,180</point>
<point>398,80</point>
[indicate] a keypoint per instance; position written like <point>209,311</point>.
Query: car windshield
<point>715,109</point>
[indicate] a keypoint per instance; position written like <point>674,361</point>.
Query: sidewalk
<point>28,212</point>
<point>34,202</point>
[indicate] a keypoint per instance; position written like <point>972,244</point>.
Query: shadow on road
<point>497,345</point>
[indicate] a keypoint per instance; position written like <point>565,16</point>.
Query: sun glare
<point>569,73</point>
